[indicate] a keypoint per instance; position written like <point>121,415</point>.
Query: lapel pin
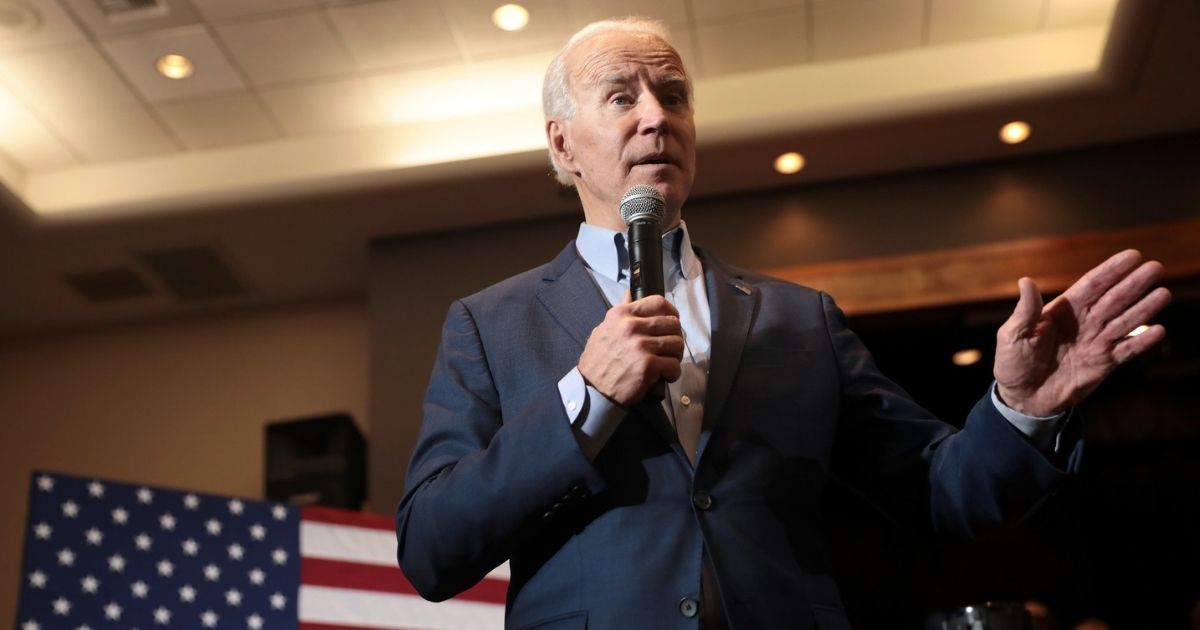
<point>740,287</point>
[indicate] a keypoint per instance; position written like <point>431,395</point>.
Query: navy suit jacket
<point>793,398</point>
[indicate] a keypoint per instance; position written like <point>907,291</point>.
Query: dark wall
<point>413,280</point>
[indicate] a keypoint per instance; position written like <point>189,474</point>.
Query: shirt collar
<point>606,253</point>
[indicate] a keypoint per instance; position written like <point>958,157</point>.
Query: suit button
<point>689,607</point>
<point>701,500</point>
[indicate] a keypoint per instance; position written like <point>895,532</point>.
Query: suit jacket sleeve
<point>486,472</point>
<point>920,469</point>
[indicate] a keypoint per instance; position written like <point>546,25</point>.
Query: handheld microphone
<point>642,208</point>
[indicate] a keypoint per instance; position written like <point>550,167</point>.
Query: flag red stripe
<point>370,577</point>
<point>335,516</point>
<point>308,625</point>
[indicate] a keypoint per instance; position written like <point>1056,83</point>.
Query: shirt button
<point>702,500</point>
<point>685,400</point>
<point>689,607</point>
<point>571,405</point>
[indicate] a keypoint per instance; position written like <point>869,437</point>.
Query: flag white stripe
<point>338,606</point>
<point>358,544</point>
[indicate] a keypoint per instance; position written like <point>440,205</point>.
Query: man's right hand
<point>638,344</point>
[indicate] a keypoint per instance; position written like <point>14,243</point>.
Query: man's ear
<point>560,147</point>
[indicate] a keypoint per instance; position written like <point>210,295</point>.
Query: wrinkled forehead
<point>616,56</point>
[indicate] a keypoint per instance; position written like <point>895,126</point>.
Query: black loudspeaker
<point>321,460</point>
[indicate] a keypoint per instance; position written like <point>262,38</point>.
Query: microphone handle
<point>646,274</point>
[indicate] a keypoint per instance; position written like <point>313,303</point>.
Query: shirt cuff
<point>1043,431</point>
<point>593,416</point>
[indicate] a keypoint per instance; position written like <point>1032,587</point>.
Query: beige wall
<point>178,404</point>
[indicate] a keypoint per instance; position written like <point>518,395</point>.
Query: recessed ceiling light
<point>1015,132</point>
<point>510,17</point>
<point>174,66</point>
<point>963,358</point>
<point>1137,331</point>
<point>789,163</point>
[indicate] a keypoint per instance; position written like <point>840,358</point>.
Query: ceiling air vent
<point>193,274</point>
<point>109,285</point>
<point>132,9</point>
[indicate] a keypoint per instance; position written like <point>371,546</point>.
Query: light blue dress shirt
<point>594,417</point>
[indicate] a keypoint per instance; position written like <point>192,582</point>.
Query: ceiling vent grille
<point>130,9</point>
<point>193,274</point>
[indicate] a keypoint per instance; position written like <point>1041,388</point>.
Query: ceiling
<point>312,126</point>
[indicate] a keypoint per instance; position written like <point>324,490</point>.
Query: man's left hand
<point>1050,357</point>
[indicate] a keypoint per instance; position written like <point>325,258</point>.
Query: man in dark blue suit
<point>539,445</point>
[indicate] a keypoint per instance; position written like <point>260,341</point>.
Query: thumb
<point>627,298</point>
<point>1029,307</point>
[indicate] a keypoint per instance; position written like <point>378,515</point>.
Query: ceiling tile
<point>713,9</point>
<point>65,79</point>
<point>960,20</point>
<point>216,122</point>
<point>395,34</point>
<point>1068,13</point>
<point>285,48</point>
<point>115,133</point>
<point>323,107</point>
<point>169,14</point>
<point>35,23</point>
<point>136,55</point>
<point>843,28</point>
<point>214,10</point>
<point>584,11</point>
<point>26,140</point>
<point>752,43</point>
<point>463,90</point>
<point>548,26</point>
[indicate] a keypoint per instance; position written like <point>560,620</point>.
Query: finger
<point>1028,309</point>
<point>1095,283</point>
<point>670,346</point>
<point>652,305</point>
<point>1126,292</point>
<point>658,325</point>
<point>665,368</point>
<point>1130,347</point>
<point>627,298</point>
<point>1136,315</point>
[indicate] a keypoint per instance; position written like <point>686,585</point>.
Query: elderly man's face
<point>632,123</point>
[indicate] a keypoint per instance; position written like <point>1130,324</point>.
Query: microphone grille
<point>642,202</point>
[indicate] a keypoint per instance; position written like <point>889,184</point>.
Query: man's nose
<point>652,115</point>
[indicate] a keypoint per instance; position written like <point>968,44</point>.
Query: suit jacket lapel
<point>732,305</point>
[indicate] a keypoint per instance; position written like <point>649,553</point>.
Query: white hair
<point>557,101</point>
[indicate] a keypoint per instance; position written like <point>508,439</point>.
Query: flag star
<point>66,557</point>
<point>37,579</point>
<point>30,625</point>
<point>143,541</point>
<point>94,536</point>
<point>235,506</point>
<point>233,597</point>
<point>191,501</point>
<point>258,532</point>
<point>96,489</point>
<point>279,556</point>
<point>279,512</point>
<point>167,521</point>
<point>278,601</point>
<point>162,616</point>
<point>209,619</point>
<point>254,622</point>
<point>42,530</point>
<point>139,589</point>
<point>187,593</point>
<point>112,611</point>
<point>165,568</point>
<point>212,573</point>
<point>70,509</point>
<point>116,563</point>
<point>45,483</point>
<point>213,526</point>
<point>62,607</point>
<point>120,516</point>
<point>257,577</point>
<point>190,547</point>
<point>90,584</point>
<point>84,627</point>
<point>236,552</point>
<point>144,495</point>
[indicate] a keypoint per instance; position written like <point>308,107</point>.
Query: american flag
<point>101,554</point>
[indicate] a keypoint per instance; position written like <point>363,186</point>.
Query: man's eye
<point>621,100</point>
